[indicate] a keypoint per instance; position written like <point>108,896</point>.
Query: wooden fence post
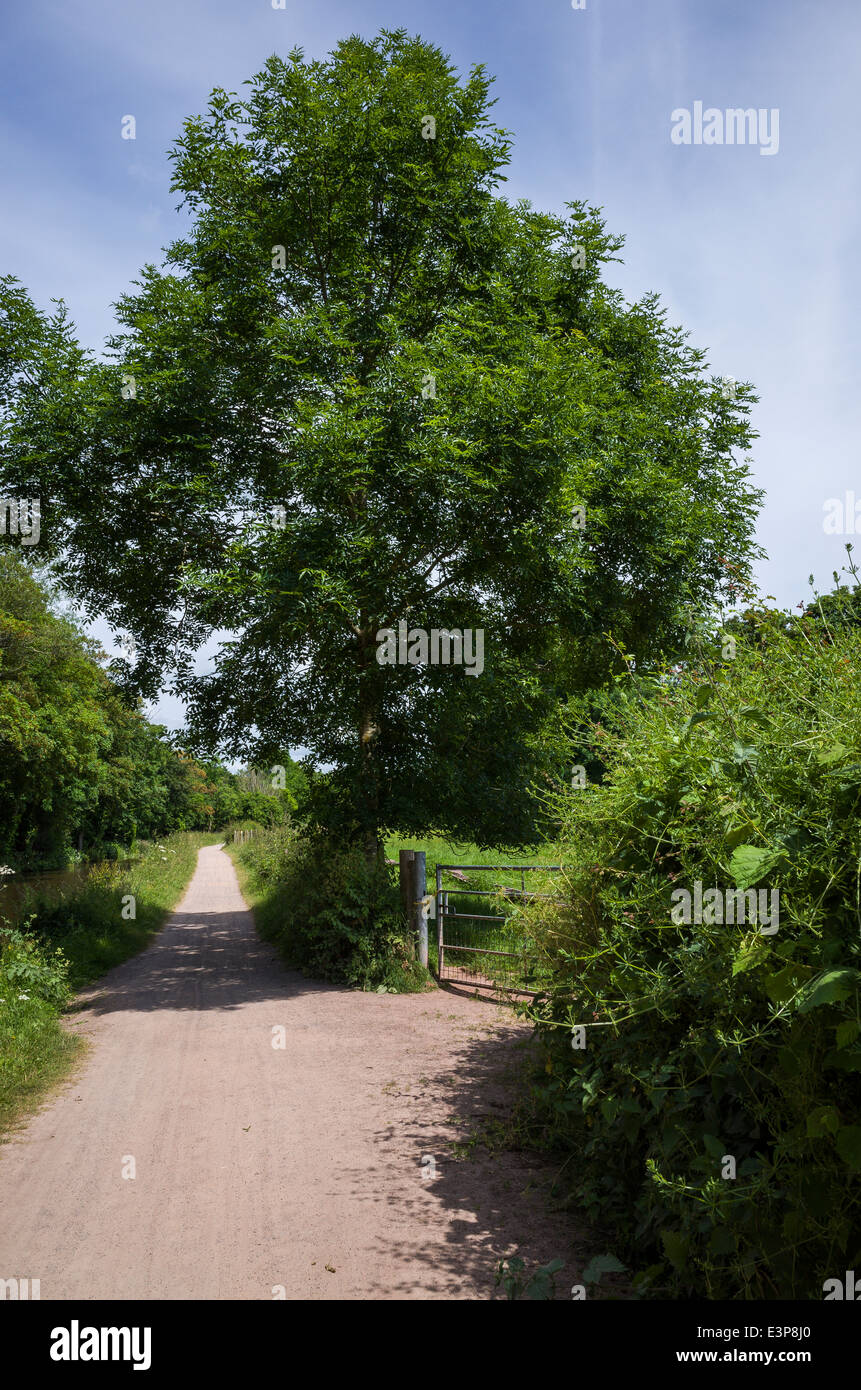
<point>413,883</point>
<point>420,905</point>
<point>406,870</point>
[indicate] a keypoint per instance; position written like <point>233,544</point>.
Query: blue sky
<point>756,256</point>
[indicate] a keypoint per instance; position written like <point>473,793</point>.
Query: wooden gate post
<point>406,870</point>
<point>413,882</point>
<point>420,904</point>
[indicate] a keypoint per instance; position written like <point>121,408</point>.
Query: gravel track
<point>261,1169</point>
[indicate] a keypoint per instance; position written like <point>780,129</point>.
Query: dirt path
<point>258,1167</point>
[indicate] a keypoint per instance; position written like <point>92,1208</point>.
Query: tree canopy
<point>367,389</point>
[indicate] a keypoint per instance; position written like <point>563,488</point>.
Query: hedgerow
<point>705,1078</point>
<point>331,912</point>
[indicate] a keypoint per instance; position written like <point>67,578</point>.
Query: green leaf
<point>749,864</point>
<point>755,716</point>
<point>721,1241</point>
<point>714,1147</point>
<point>831,987</point>
<point>676,1246</point>
<point>737,834</point>
<point>753,950</point>
<point>849,1059</point>
<point>825,1120</point>
<point>698,718</point>
<point>781,985</point>
<point>847,1032</point>
<point>837,753</point>
<point>602,1264</point>
<point>849,1146</point>
<point>744,753</point>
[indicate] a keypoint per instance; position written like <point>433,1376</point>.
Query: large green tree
<point>365,388</point>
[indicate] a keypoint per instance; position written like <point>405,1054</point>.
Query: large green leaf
<point>849,1146</point>
<point>676,1246</point>
<point>831,987</point>
<point>750,863</point>
<point>602,1264</point>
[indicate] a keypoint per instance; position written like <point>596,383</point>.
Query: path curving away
<point>260,1168</point>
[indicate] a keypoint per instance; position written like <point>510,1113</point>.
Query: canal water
<point>18,889</point>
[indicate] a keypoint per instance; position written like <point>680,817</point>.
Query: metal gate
<point>485,948</point>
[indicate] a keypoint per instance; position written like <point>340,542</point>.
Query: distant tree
<point>76,759</point>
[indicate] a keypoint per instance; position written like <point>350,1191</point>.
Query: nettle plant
<point>715,1094</point>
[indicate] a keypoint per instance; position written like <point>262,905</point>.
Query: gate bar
<point>439,916</point>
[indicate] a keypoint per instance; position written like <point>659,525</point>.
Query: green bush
<point>332,914</point>
<point>29,968</point>
<point>706,1042</point>
<point>35,1050</point>
<point>101,850</point>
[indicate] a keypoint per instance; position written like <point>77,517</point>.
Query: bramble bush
<point>330,912</point>
<point>708,1042</point>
